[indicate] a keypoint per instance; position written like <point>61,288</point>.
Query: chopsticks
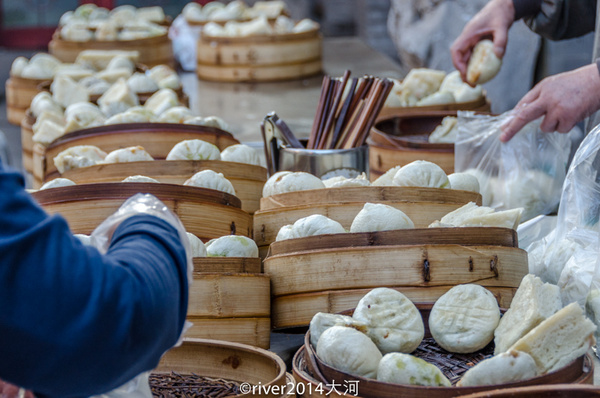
<point>345,114</point>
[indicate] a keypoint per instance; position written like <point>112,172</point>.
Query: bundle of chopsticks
<point>347,110</point>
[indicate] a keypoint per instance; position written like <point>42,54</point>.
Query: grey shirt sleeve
<point>558,19</point>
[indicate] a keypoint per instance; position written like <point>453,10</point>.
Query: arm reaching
<point>493,22</point>
<point>563,100</point>
<point>74,322</point>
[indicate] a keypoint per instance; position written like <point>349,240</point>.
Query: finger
<point>549,124</point>
<point>527,114</point>
<point>460,55</point>
<point>564,126</point>
<point>530,97</point>
<point>500,40</point>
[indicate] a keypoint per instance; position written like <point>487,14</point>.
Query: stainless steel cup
<point>325,162</point>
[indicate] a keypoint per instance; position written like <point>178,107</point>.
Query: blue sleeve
<point>73,322</point>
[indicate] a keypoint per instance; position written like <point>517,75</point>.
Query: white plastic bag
<point>138,204</point>
<point>527,172</point>
<point>567,256</point>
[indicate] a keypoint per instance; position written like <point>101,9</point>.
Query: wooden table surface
<point>244,105</point>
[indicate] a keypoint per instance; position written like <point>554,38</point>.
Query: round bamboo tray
<point>206,213</point>
<point>580,371</point>
<point>480,104</point>
<point>552,391</point>
<point>260,58</point>
<point>422,205</point>
<point>231,361</point>
<point>157,139</point>
<point>153,50</point>
<point>403,139</point>
<point>314,274</point>
<point>19,94</point>
<point>247,180</point>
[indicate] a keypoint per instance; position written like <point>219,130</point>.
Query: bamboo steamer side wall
<point>305,282</point>
<point>19,94</point>
<point>260,58</point>
<point>153,50</point>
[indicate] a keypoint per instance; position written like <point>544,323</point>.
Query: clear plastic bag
<point>527,172</point>
<point>138,204</point>
<point>184,38</point>
<point>567,256</point>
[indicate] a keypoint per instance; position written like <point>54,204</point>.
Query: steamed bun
<point>77,157</point>
<point>232,246</point>
<point>196,246</point>
<point>316,225</point>
<point>321,321</point>
<point>194,150</point>
<point>130,154</point>
<point>290,182</point>
<point>483,65</point>
<point>421,173</point>
<point>241,153</point>
<point>211,180</point>
<point>401,368</point>
<point>464,181</point>
<point>380,217</point>
<point>57,183</point>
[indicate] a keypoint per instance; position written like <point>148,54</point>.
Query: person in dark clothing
<point>75,322</point>
<point>562,100</point>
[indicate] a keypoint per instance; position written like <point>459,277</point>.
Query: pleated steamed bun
<point>343,182</point>
<point>194,150</point>
<point>232,246</point>
<point>387,178</point>
<point>394,323</point>
<point>130,154</point>
<point>421,173</point>
<point>196,246</point>
<point>77,157</point>
<point>380,217</point>
<point>283,182</point>
<point>483,65</point>
<point>316,224</point>
<point>211,180</point>
<point>464,181</point>
<point>241,153</point>
<point>322,321</point>
<point>349,350</point>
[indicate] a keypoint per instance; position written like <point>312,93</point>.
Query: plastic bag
<point>184,38</point>
<point>527,172</point>
<point>138,204</point>
<point>535,229</point>
<point>567,256</point>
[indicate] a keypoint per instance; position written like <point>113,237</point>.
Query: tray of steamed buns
<point>125,27</point>
<point>463,343</point>
<point>258,43</point>
<point>107,77</point>
<point>326,261</point>
<point>238,165</point>
<point>432,90</point>
<point>422,190</point>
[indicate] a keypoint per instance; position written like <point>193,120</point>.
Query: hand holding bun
<point>483,65</point>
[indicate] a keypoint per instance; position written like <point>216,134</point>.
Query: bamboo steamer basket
<point>480,104</point>
<point>232,361</point>
<point>400,140</point>
<point>19,94</point>
<point>552,391</point>
<point>580,371</point>
<point>260,58</point>
<point>157,139</point>
<point>153,50</point>
<point>422,205</point>
<point>247,180</point>
<point>27,141</point>
<point>230,300</point>
<point>205,213</point>
<point>314,274</point>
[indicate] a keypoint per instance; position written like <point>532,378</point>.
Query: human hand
<point>563,100</point>
<point>493,22</point>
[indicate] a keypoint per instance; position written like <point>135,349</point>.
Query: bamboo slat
<point>297,310</point>
<point>152,51</point>
<point>232,361</point>
<point>19,93</point>
<point>369,267</point>
<point>252,331</point>
<point>205,213</point>
<point>226,295</point>
<point>247,180</point>
<point>228,265</point>
<point>480,104</point>
<point>259,58</point>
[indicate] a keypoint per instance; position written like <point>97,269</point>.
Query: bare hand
<point>492,22</point>
<point>564,100</point>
